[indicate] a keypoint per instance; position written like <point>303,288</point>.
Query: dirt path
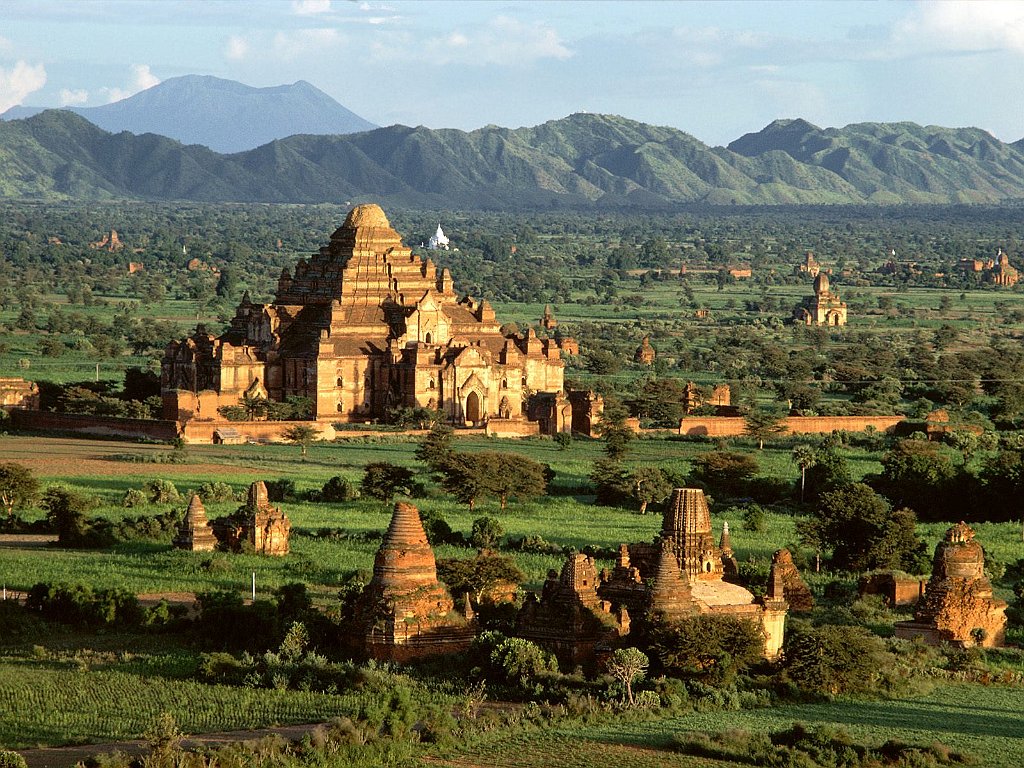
<point>67,757</point>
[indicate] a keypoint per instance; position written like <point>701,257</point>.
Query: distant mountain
<point>581,161</point>
<point>223,115</point>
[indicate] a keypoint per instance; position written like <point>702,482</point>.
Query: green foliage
<point>820,747</point>
<point>301,435</point>
<point>80,604</point>
<point>335,491</point>
<point>521,662</point>
<point>650,486</point>
<point>161,492</point>
<point>724,473</point>
<point>615,433</point>
<point>863,531</point>
<point>436,448</point>
<point>707,647</point>
<point>834,659</point>
<point>763,425</point>
<point>627,666</point>
<point>214,492</point>
<point>920,475</point>
<point>382,480</point>
<point>479,575</point>
<point>134,497</point>
<point>486,533</point>
<point>18,486</point>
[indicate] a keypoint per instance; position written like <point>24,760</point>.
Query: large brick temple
<point>365,326</point>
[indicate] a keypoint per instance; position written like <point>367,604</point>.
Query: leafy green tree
<point>763,425</point>
<point>18,486</point>
<point>301,435</point>
<point>706,647</point>
<point>486,533</point>
<point>614,431</point>
<point>650,485</point>
<point>436,448</point>
<point>921,475</point>
<point>336,489</point>
<point>479,575</point>
<point>627,666</point>
<point>834,660</point>
<point>613,483</point>
<point>863,532</point>
<point>468,477</point>
<point>382,480</point>
<point>724,472</point>
<point>829,472</point>
<point>517,475</point>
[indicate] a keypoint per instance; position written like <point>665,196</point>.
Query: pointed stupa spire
<point>194,532</point>
<point>670,593</point>
<point>196,512</point>
<point>258,496</point>
<point>725,544</point>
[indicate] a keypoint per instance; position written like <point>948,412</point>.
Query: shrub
<point>281,490</point>
<point>338,489</point>
<point>216,491</point>
<point>707,647</point>
<point>834,659</point>
<point>161,492</point>
<point>755,519</point>
<point>10,759</point>
<point>521,662</point>
<point>133,497</point>
<point>486,533</point>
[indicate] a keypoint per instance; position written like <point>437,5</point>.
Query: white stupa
<point>439,241</point>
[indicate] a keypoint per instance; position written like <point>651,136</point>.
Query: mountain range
<point>581,161</point>
<point>224,115</point>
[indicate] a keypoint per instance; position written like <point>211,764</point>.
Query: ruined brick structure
<point>794,589</point>
<point>16,393</point>
<point>809,266</point>
<point>645,354</point>
<point>958,606</point>
<point>694,583</point>
<point>360,328</point>
<point>257,525</point>
<point>568,618</point>
<point>824,307</point>
<point>195,533</point>
<point>405,612</point>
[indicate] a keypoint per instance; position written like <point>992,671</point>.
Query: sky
<point>716,70</point>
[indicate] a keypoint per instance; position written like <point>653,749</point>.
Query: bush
<point>10,759</point>
<point>133,497</point>
<point>216,491</point>
<point>832,660</point>
<point>520,662</point>
<point>336,490</point>
<point>709,648</point>
<point>79,604</point>
<point>281,490</point>
<point>161,492</point>
<point>486,533</point>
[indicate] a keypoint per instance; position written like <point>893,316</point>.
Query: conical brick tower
<point>405,612</point>
<point>194,532</point>
<point>670,594</point>
<point>687,524</point>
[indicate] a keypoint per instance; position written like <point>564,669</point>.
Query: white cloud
<point>69,98</point>
<point>310,7</point>
<point>502,41</point>
<point>142,78</point>
<point>18,82</point>
<point>237,48</point>
<point>963,26</point>
<point>302,42</point>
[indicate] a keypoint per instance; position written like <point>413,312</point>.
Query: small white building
<point>439,241</point>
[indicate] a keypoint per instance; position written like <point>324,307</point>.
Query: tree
<point>486,533</point>
<point>18,486</point>
<point>834,659</point>
<point>479,575</point>
<point>468,476</point>
<point>863,531</point>
<point>725,472</point>
<point>627,666</point>
<point>301,435</point>
<point>382,480</point>
<point>614,430</point>
<point>516,475</point>
<point>650,486</point>
<point>436,448</point>
<point>707,647</point>
<point>613,483</point>
<point>805,457</point>
<point>920,474</point>
<point>763,425</point>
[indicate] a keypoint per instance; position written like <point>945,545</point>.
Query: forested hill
<point>582,161</point>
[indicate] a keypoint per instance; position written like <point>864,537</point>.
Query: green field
<point>984,721</point>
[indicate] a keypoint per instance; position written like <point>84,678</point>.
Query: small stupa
<point>194,531</point>
<point>405,612</point>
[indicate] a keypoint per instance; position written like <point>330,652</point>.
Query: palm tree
<point>805,458</point>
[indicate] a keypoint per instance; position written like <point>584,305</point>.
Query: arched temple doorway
<point>473,412</point>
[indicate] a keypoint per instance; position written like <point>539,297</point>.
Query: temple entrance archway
<point>473,411</point>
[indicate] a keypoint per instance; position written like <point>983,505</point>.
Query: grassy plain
<point>984,721</point>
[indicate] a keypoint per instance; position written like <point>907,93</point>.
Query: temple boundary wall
<point>100,426</point>
<point>734,426</point>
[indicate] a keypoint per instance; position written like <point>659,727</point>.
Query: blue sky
<point>716,70</point>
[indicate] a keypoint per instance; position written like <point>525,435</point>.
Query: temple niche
<point>682,572</point>
<point>958,606</point>
<point>824,307</point>
<point>363,327</point>
<point>405,612</point>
